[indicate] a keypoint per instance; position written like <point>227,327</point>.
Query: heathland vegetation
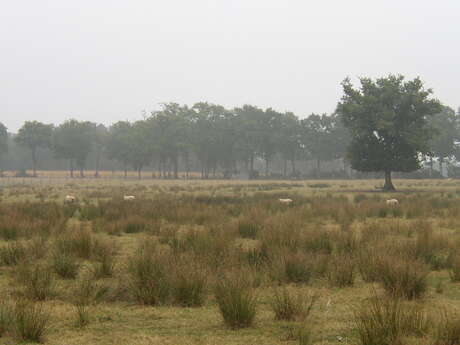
<point>201,262</point>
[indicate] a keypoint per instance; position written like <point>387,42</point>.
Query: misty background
<point>110,60</point>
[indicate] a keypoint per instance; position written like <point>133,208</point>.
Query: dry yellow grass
<point>125,322</point>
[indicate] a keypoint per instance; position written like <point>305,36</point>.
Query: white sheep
<point>285,201</point>
<point>392,202</point>
<point>70,199</point>
<point>129,197</point>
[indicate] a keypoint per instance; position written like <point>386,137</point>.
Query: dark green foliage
<point>388,123</point>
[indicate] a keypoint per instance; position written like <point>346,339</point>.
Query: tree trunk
<point>285,168</point>
<point>251,167</point>
<point>71,168</point>
<point>388,183</point>
<point>176,167</point>
<point>139,173</point>
<point>441,160</point>
<point>293,167</point>
<point>431,166</point>
<point>126,170</point>
<point>98,159</point>
<point>267,163</point>
<point>318,168</point>
<point>82,175</point>
<point>34,162</point>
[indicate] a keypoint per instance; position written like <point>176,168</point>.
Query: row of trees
<point>217,138</point>
<point>385,125</point>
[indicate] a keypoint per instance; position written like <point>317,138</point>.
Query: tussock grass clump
<point>447,330</point>
<point>430,247</point>
<point>236,300</point>
<point>297,268</point>
<point>104,254</point>
<point>189,286</point>
<point>454,270</point>
<point>403,277</point>
<point>76,241</point>
<point>367,262</point>
<point>37,281</point>
<point>341,271</point>
<point>288,305</point>
<point>248,228</point>
<point>86,293</point>
<point>149,277</point>
<point>64,264</point>
<point>29,321</point>
<point>386,321</point>
<point>12,253</point>
<point>6,317</point>
<point>300,333</point>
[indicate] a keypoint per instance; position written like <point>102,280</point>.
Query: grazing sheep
<point>129,197</point>
<point>70,199</point>
<point>285,201</point>
<point>392,202</point>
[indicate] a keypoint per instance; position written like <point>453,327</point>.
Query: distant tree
<point>140,152</point>
<point>118,145</point>
<point>100,137</point>
<point>319,138</point>
<point>249,127</point>
<point>3,144</point>
<point>169,136</point>
<point>73,140</point>
<point>34,135</point>
<point>287,136</point>
<point>388,123</point>
<point>443,144</point>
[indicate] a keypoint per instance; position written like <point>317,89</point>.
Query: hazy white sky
<point>107,60</point>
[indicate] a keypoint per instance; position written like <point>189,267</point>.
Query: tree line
<point>384,125</point>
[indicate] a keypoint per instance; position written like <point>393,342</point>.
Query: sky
<point>111,60</point>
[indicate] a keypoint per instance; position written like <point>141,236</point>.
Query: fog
<point>110,60</point>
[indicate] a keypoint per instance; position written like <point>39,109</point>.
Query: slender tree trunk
<point>267,163</point>
<point>318,168</point>
<point>251,166</point>
<point>388,183</point>
<point>34,162</point>
<point>293,167</point>
<point>139,176</point>
<point>441,160</point>
<point>98,159</point>
<point>125,169</point>
<point>71,168</point>
<point>431,166</point>
<point>82,174</point>
<point>176,167</point>
<point>285,168</point>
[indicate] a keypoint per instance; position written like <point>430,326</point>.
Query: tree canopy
<point>388,123</point>
<point>34,135</point>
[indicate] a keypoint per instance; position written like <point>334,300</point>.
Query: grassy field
<point>223,262</point>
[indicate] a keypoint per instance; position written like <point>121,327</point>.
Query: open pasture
<point>224,262</point>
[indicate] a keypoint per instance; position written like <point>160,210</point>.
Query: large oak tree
<point>388,123</point>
